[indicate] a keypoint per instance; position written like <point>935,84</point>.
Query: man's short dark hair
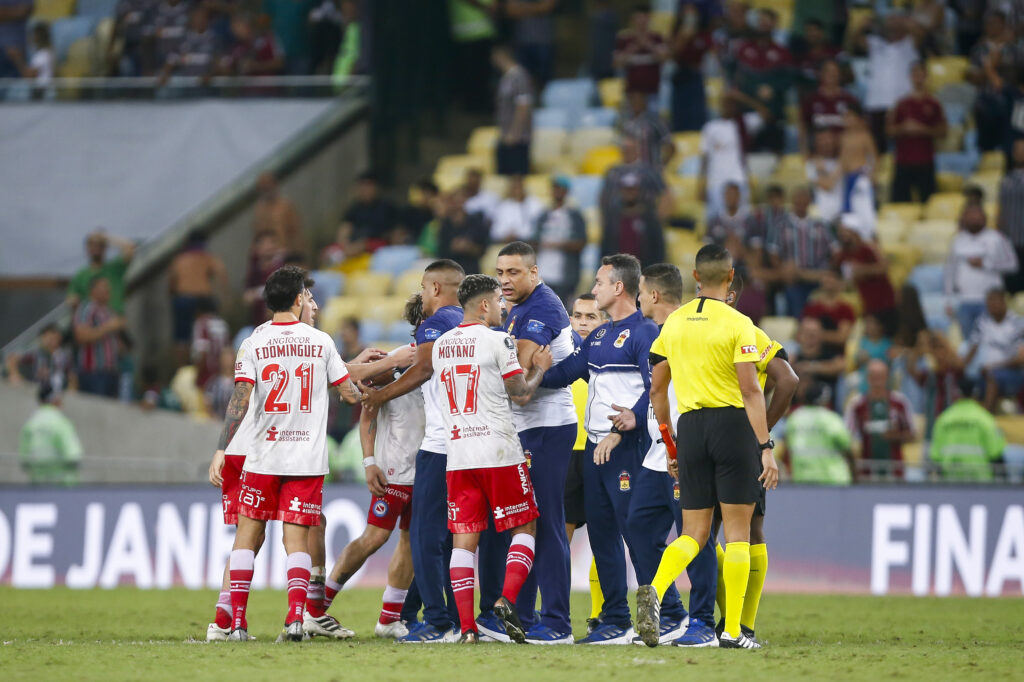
<point>666,279</point>
<point>521,249</point>
<point>974,193</point>
<point>713,264</point>
<point>475,286</point>
<point>283,286</point>
<point>625,269</point>
<point>586,297</point>
<point>445,264</point>
<point>51,327</point>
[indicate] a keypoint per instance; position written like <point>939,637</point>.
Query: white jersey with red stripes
<point>471,363</point>
<point>290,365</point>
<point>241,443</point>
<point>400,425</point>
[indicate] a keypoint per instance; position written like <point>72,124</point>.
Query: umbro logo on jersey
<point>287,332</point>
<point>295,505</point>
<point>272,434</point>
<point>455,433</point>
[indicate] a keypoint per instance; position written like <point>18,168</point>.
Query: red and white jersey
<point>400,425</point>
<point>471,363</point>
<point>290,365</point>
<point>241,443</point>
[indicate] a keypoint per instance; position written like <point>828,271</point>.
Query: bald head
<point>713,266</point>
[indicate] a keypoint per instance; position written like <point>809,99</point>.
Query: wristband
<point>369,462</point>
<point>615,429</point>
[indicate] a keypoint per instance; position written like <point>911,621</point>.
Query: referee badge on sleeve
<point>748,350</point>
<point>624,481</point>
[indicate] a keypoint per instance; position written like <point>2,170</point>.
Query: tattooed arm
<point>348,392</point>
<point>376,481</point>
<point>237,408</point>
<point>520,387</point>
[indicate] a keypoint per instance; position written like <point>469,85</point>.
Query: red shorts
<point>291,499</point>
<point>474,494</point>
<point>396,504</point>
<point>229,487</point>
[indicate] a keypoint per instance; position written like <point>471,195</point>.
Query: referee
<point>711,350</point>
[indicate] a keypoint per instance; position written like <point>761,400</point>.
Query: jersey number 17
<point>451,378</point>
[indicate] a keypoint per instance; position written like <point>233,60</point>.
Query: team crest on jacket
<point>675,490</point>
<point>529,458</point>
<point>624,481</point>
<point>621,341</point>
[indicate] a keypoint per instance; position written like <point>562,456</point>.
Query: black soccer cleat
<point>720,628</point>
<point>648,615</point>
<point>593,624</point>
<point>470,637</point>
<point>727,641</point>
<point>749,632</point>
<point>506,611</point>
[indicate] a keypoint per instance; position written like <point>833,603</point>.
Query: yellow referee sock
<point>755,584</point>
<point>674,560</point>
<point>736,571</point>
<point>596,595</point>
<point>720,594</point>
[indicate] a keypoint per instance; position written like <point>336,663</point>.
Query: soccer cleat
<point>428,634</point>
<point>607,633</point>
<point>470,637</point>
<point>727,641</point>
<point>324,626</point>
<point>593,624</point>
<point>720,628</point>
<point>506,612</point>
<point>648,615</point>
<point>491,628</point>
<point>543,635</point>
<point>749,632</point>
<point>216,634</point>
<point>292,632</point>
<point>394,630</point>
<point>698,635</point>
<point>670,630</point>
<point>239,635</point>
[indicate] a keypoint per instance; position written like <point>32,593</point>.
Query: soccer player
<point>710,351</point>
<point>486,469</point>
<point>614,359</point>
<point>428,529</point>
<point>390,436</point>
<point>585,318</point>
<point>547,429</point>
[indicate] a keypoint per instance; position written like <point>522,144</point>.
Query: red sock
<point>315,597</point>
<point>518,563</point>
<point>391,610</point>
<point>331,590</point>
<point>240,573</point>
<point>463,582</point>
<point>299,565</point>
<point>222,616</point>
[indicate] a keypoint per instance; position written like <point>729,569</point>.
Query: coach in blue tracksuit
<point>428,530</point>
<point>614,360</point>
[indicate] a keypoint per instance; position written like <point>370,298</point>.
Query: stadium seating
<point>361,284</point>
<point>599,159</point>
<point>394,260</point>
<point>551,118</point>
<point>460,163</point>
<point>597,117</point>
<point>687,144</point>
<point>781,329</point>
<point>992,161</point>
<point>66,31</point>
<point>927,279</point>
<point>573,93</point>
<point>98,9</point>
<point>907,212</point>
<point>327,284</point>
<point>943,71</point>
<point>611,90</point>
<point>586,190</point>
<point>482,141</point>
<point>51,10</point>
<point>585,139</point>
<point>408,282</point>
<point>944,206</point>
<point>547,149</point>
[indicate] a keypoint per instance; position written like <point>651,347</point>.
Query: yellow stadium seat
<point>446,182</point>
<point>901,255</point>
<point>104,31</point>
<point>992,161</point>
<point>687,144</point>
<point>592,216</point>
<point>48,10</point>
<point>548,147</point>
<point>362,284</point>
<point>408,283</point>
<point>781,329</point>
<point>713,89</point>
<point>953,141</point>
<point>483,140</point>
<point>945,70</point>
<point>611,91</point>
<point>383,308</point>
<point>539,186</point>
<point>336,310</point>
<point>583,140</point>
<point>948,181</point>
<point>684,194</point>
<point>992,213</point>
<point>944,206</point>
<point>563,165</point>
<point>662,23</point>
<point>460,163</point>
<point>600,159</point>
<point>490,259</point>
<point>792,164</point>
<point>908,212</point>
<point>989,182</point>
<point>891,230</point>
<point>1012,426</point>
<point>81,59</point>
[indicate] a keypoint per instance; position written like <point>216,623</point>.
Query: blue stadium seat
<point>552,118</point>
<point>961,163</point>
<point>792,139</point>
<point>400,332</point>
<point>1013,455</point>
<point>569,93</point>
<point>690,167</point>
<point>927,279</point>
<point>394,259</point>
<point>372,331</point>
<point>597,117</point>
<point>586,189</point>
<point>326,285</point>
<point>956,113</point>
<point>934,307</point>
<point>98,9</point>
<point>590,258</point>
<point>971,141</point>
<point>66,31</point>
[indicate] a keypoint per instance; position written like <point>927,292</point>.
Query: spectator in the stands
<point>474,31</point>
<point>257,51</point>
<point>814,360</point>
<point>210,335</point>
<point>96,330</point>
<point>978,260</point>
<point>911,332</point>
<point>814,55</point>
<point>832,17</point>
<point>652,185</point>
<point>992,62</point>
<point>350,51</point>
<point>722,144</point>
<point>824,109</point>
<point>371,217</point>
<point>857,160</point>
<point>832,311</point>
<point>420,211</point>
<point>971,16</point>
<point>604,27</point>
<point>515,218</point>
<point>325,23</point>
<point>218,388</point>
<point>49,362</point>
<point>691,41</point>
<point>890,56</point>
<point>170,24</point>
<point>351,341</point>
<point>639,53</point>
<point>872,344</point>
<point>463,236</point>
<point>48,446</point>
<point>560,238</point>
<point>267,255</point>
<point>937,370</point>
<point>133,20</point>
<point>290,19</point>
<point>40,66</point>
<point>974,195</point>
<point>633,227</point>
<point>14,16</point>
<point>826,177</point>
<point>196,53</point>
<point>764,229</point>
<point>803,247</point>
<point>533,29</point>
<point>764,75</point>
<point>653,139</point>
<point>478,199</point>
<point>998,343</point>
<point>865,266</point>
<point>1011,213</point>
<point>818,442</point>
<point>916,124</point>
<point>882,422</point>
<point>514,105</point>
<point>111,270</point>
<point>928,25</point>
<point>966,443</point>
<point>277,213</point>
<point>195,277</point>
<point>729,227</point>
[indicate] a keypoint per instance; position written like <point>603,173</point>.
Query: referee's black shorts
<point>719,459</point>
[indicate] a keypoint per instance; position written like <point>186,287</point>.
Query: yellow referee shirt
<point>767,349</point>
<point>579,401</point>
<point>702,341</point>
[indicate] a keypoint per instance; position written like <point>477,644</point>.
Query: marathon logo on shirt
<point>748,350</point>
<point>502,512</point>
<point>293,436</point>
<point>299,347</point>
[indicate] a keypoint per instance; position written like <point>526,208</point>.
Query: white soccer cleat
<point>394,630</point>
<point>240,635</point>
<point>324,626</point>
<point>216,634</point>
<point>727,641</point>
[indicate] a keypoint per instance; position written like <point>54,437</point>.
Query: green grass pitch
<point>127,634</point>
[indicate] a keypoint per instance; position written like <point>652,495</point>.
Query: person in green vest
<point>111,270</point>
<point>350,49</point>
<point>49,448</point>
<point>474,33</point>
<point>818,442</point>
<point>966,442</point>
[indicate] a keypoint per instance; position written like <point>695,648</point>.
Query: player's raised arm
<point>421,370</point>
<point>364,368</point>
